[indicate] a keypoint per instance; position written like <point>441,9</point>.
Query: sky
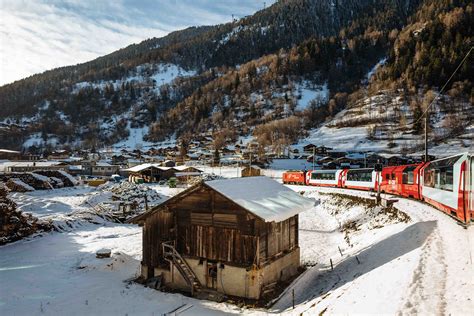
<point>37,35</point>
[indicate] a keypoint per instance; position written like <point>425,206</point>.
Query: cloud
<point>39,35</point>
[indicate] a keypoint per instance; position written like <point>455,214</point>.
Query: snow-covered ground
<point>307,93</point>
<point>421,266</point>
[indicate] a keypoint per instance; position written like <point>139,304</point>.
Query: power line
<point>442,89</point>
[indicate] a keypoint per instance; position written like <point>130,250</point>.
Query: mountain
<point>280,75</point>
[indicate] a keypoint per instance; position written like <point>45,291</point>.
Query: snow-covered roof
<point>102,164</point>
<point>183,167</point>
<point>262,196</point>
<point>8,151</point>
<point>38,164</point>
<point>142,167</point>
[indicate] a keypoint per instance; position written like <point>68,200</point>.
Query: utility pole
<point>426,136</point>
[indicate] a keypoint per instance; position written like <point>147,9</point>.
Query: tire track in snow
<point>426,292</point>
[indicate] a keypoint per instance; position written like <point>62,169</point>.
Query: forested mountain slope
<point>297,62</point>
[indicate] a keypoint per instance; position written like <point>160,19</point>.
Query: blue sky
<point>37,35</point>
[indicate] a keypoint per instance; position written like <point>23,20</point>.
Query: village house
<point>104,169</point>
<point>6,154</point>
<point>251,171</point>
<point>30,166</point>
<point>234,237</point>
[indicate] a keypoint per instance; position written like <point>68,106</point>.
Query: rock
<point>103,253</point>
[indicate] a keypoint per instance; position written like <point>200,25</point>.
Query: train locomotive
<point>447,184</point>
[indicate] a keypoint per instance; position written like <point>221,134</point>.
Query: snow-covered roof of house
<point>143,166</point>
<point>262,196</point>
<point>253,167</point>
<point>102,164</point>
<point>8,151</point>
<point>183,167</point>
<point>38,164</point>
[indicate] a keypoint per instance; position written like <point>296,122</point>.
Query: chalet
<point>251,171</point>
<point>186,173</point>
<point>168,163</point>
<point>234,237</point>
<point>309,148</point>
<point>30,166</point>
<point>336,154</point>
<point>59,154</point>
<point>322,150</point>
<point>102,168</point>
<point>6,154</point>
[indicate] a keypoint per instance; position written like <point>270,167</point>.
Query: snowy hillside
<point>384,123</point>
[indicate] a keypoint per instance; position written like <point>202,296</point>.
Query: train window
<point>323,176</point>
<point>387,176</point>
<point>440,174</point>
<point>360,175</point>
<point>408,175</point>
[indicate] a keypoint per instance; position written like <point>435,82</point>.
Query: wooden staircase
<point>172,255</point>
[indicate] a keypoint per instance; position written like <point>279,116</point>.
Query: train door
<point>339,178</point>
<point>393,182</point>
<point>470,187</point>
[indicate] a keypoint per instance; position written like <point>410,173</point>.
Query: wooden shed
<point>233,236</point>
<point>251,171</point>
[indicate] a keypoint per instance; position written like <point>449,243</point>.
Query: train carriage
<point>401,180</point>
<point>294,177</point>
<point>324,178</point>
<point>360,179</point>
<point>447,185</point>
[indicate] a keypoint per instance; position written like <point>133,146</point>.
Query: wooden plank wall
<point>211,226</point>
<point>278,238</point>
<point>207,225</point>
<point>158,228</point>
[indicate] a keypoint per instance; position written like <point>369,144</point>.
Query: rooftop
<point>262,196</point>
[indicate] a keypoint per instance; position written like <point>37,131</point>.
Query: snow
<point>67,175</point>
<point>134,139</point>
<point>263,197</point>
<point>143,166</point>
<point>374,69</point>
<point>404,267</point>
<point>39,177</point>
<point>160,73</point>
<point>422,266</point>
<point>308,94</point>
<point>22,184</point>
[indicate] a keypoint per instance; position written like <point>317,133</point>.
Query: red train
<point>447,183</point>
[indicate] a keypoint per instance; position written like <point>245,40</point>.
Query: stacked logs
<point>36,181</point>
<point>15,225</point>
<point>67,180</point>
<point>16,185</point>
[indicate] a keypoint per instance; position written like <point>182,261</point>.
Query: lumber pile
<point>15,225</point>
<point>34,180</point>
<point>16,185</point>
<point>65,177</point>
